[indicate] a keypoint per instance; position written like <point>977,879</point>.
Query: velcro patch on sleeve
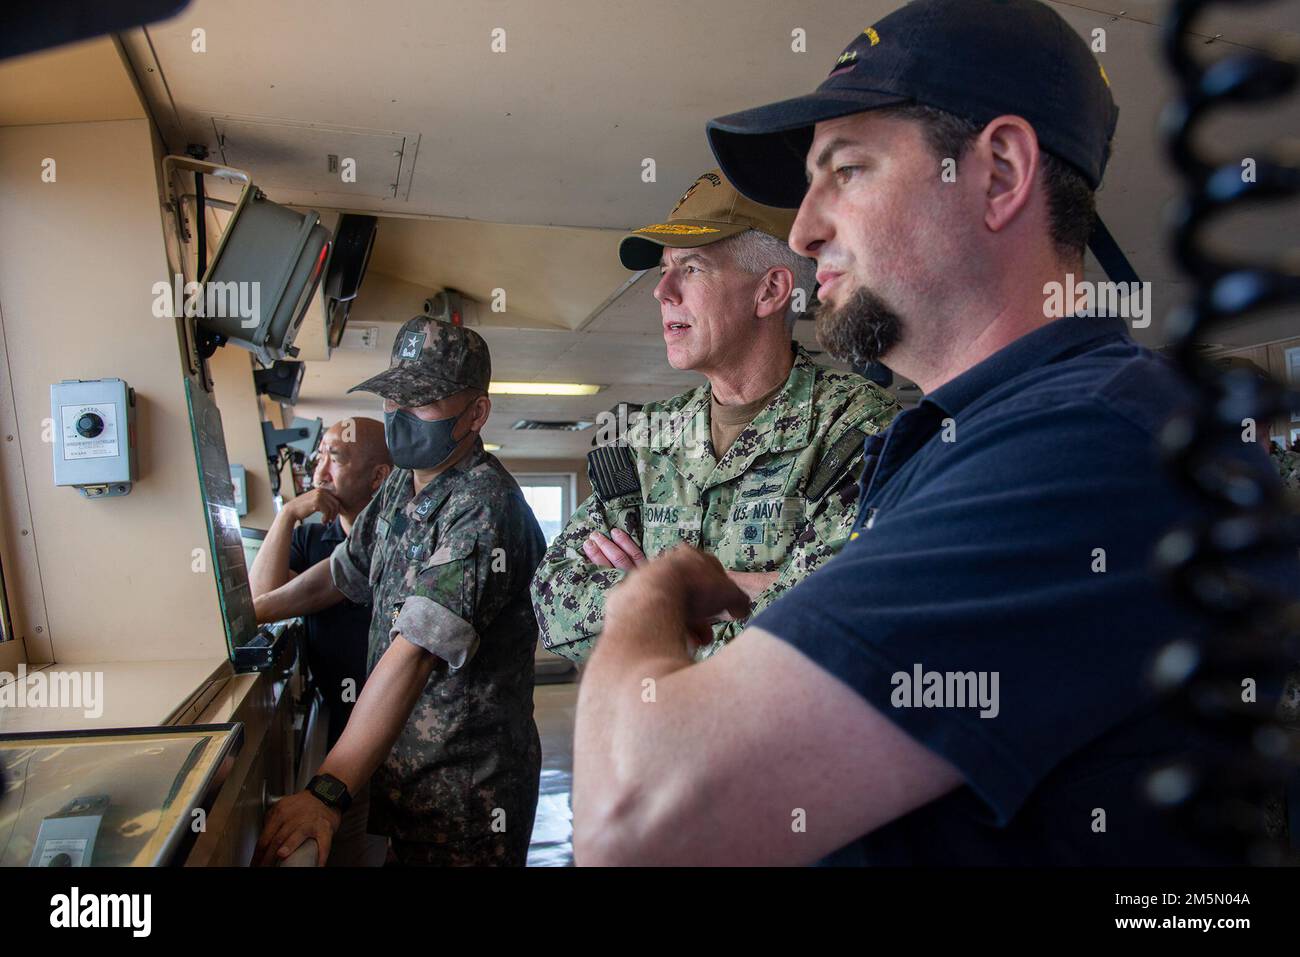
<point>833,463</point>
<point>612,471</point>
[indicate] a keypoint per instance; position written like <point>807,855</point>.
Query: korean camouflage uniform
<point>448,570</point>
<point>783,498</point>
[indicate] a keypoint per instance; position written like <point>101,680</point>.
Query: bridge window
<point>551,499</point>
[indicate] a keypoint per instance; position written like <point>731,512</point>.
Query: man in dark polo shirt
<point>336,637</point>
<point>966,682</point>
<point>352,462</point>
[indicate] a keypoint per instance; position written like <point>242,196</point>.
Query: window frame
<point>565,481</point>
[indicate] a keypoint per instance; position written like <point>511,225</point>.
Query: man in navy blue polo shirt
<point>967,681</point>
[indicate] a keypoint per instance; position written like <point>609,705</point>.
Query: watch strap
<point>330,791</point>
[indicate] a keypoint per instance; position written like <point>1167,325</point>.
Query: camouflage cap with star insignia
<point>710,211</point>
<point>431,360</point>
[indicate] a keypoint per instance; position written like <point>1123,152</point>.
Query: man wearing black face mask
<point>445,552</point>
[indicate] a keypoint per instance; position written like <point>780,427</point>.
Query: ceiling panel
<point>78,83</point>
<point>555,276</point>
<point>327,160</point>
<point>555,129</point>
<point>531,160</point>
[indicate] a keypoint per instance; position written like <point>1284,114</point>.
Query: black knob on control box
<point>89,425</point>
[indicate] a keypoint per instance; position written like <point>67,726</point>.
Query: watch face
<point>329,789</point>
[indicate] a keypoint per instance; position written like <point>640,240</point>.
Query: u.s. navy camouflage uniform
<point>782,499</point>
<point>448,570</point>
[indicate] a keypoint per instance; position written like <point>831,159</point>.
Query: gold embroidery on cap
<point>1103,74</point>
<point>848,56</point>
<point>677,229</point>
<point>872,35</point>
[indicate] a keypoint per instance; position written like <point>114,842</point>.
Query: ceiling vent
<point>540,426</point>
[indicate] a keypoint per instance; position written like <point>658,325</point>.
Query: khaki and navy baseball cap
<point>431,360</point>
<point>710,211</point>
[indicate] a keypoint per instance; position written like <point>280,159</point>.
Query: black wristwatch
<point>330,791</point>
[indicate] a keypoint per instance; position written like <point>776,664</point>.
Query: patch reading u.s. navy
<point>833,463</point>
<point>412,343</point>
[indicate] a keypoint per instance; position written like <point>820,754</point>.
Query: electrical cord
<point>1234,685</point>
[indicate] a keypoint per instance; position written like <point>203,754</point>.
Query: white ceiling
<point>554,132</point>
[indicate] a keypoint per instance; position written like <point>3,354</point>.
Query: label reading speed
<point>89,431</point>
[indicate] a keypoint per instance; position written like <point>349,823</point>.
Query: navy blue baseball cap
<point>977,59</point>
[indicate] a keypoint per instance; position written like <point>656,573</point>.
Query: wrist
<point>331,792</point>
<point>287,515</point>
<point>641,599</point>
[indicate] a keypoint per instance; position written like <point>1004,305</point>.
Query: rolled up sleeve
<point>436,629</point>
<point>457,594</point>
<point>350,560</point>
<point>349,578</point>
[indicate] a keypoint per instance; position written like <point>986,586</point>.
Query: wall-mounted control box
<point>94,436</point>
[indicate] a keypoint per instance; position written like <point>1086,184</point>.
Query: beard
<point>859,332</point>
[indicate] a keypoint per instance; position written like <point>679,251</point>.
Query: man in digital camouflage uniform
<point>758,467</point>
<point>444,552</point>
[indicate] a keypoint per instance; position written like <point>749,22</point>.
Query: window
<point>551,499</point>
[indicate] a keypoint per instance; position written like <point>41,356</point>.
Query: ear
<point>774,291</point>
<point>1011,147</point>
<point>480,409</point>
<point>381,473</point>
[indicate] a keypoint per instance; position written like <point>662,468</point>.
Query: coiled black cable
<point>1232,790</point>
